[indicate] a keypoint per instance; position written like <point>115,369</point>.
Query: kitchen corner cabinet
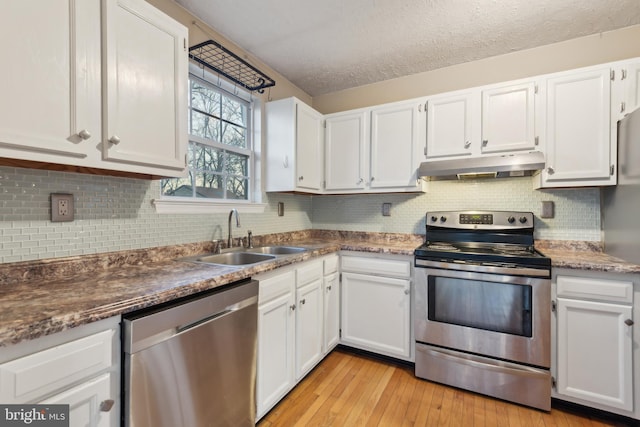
<point>595,340</point>
<point>580,136</point>
<point>65,102</point>
<point>294,151</point>
<point>376,305</point>
<point>376,149</point>
<point>78,367</point>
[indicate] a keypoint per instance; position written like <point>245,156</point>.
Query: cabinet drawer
<point>385,267</point>
<point>274,286</point>
<point>309,273</point>
<point>331,264</point>
<point>595,288</point>
<point>29,377</point>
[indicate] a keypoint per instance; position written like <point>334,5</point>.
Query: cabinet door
<point>345,145</point>
<point>376,314</point>
<point>50,80</point>
<point>308,148</point>
<point>275,376</point>
<point>309,327</point>
<point>394,146</point>
<point>595,352</point>
<point>450,125</point>
<point>508,118</point>
<point>578,129</point>
<point>628,154</point>
<point>145,92</point>
<point>331,312</point>
<point>90,404</point>
<point>632,76</point>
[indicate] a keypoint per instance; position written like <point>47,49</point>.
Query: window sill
<point>186,206</point>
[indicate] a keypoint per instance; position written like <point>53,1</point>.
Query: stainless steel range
<point>483,296</point>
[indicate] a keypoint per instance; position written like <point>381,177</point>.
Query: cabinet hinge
<point>554,385</point>
<point>184,44</point>
<point>185,161</point>
<point>612,170</point>
<point>536,140</point>
<point>613,74</point>
<point>340,333</point>
<point>340,277</point>
<point>553,306</point>
<point>324,124</point>
<point>535,88</point>
<point>425,150</point>
<point>623,106</point>
<point>623,73</point>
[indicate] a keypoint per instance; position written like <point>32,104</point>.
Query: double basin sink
<point>245,256</point>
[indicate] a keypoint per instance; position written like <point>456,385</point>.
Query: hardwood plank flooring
<point>351,389</point>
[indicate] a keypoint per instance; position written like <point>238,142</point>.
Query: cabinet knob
<point>300,178</point>
<point>292,307</point>
<point>115,140</point>
<point>550,170</point>
<point>628,322</point>
<point>467,144</point>
<point>84,134</point>
<point>360,181</point>
<point>407,291</point>
<point>329,287</point>
<point>303,301</point>
<point>106,405</point>
<point>485,142</point>
<point>372,178</point>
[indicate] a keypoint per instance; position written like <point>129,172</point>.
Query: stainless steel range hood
<point>498,166</point>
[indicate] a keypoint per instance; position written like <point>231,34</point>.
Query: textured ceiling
<point>324,46</point>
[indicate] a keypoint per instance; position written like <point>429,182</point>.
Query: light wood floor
<point>348,389</point>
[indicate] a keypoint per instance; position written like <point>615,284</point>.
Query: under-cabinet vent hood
<point>498,166</point>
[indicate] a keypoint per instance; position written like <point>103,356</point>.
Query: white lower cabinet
<point>290,329</point>
<point>376,305</point>
<point>79,367</point>
<point>331,287</point>
<point>595,341</point>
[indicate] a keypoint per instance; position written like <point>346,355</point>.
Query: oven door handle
<point>511,271</point>
<point>495,365</point>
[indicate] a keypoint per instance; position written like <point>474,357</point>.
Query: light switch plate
<point>61,207</point>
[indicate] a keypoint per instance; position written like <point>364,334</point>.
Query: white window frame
<point>177,205</point>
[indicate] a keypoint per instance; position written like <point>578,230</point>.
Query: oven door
<point>495,315</point>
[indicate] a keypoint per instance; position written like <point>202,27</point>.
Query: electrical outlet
<point>386,209</point>
<point>61,207</point>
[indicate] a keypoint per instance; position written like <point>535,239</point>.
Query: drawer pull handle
<point>106,405</point>
<point>628,322</point>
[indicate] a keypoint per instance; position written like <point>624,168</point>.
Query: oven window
<point>491,306</point>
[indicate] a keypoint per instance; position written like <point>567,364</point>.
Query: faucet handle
<point>217,246</point>
<point>249,239</point>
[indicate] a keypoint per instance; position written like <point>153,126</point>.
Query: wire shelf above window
<point>217,58</point>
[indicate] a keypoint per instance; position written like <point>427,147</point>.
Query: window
<point>220,157</point>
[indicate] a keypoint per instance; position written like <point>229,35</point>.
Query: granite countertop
<point>42,297</point>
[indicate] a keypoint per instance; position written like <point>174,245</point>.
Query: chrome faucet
<point>229,240</point>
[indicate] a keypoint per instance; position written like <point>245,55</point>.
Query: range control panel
<point>487,220</point>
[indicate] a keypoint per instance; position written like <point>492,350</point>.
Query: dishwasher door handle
<point>228,310</point>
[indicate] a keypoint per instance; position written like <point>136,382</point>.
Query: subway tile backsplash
<point>116,213</point>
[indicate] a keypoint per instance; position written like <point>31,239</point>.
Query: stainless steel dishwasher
<point>193,363</point>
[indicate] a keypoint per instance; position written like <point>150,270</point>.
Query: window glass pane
<point>234,135</point>
<point>209,185</point>
<point>178,187</point>
<point>233,111</point>
<point>205,99</point>
<point>237,164</point>
<point>237,188</point>
<point>205,126</point>
<point>205,158</point>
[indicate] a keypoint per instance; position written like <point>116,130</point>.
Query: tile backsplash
<point>117,214</point>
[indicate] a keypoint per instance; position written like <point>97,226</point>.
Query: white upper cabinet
<point>396,143</point>
<point>451,130</point>
<point>49,80</point>
<point>294,151</point>
<point>92,72</point>
<point>144,108</point>
<point>374,150</point>
<point>508,118</point>
<point>346,137</point>
<point>580,139</point>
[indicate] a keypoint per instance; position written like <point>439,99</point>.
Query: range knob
<point>434,218</point>
<point>443,219</point>
<point>523,219</point>
<point>511,220</point>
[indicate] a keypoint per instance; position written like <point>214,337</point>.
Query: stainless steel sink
<point>235,258</point>
<point>278,250</point>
